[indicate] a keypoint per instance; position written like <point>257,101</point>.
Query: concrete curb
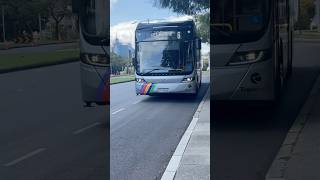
<point>279,165</point>
<point>38,66</point>
<point>307,40</point>
<point>175,160</point>
<point>122,82</point>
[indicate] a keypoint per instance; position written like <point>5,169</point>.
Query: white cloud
<point>205,48</point>
<point>125,31</point>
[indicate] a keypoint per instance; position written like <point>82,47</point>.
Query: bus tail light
<point>94,59</point>
<point>240,58</point>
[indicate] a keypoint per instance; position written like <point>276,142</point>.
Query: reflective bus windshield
<point>94,20</point>
<point>239,21</point>
<point>164,52</point>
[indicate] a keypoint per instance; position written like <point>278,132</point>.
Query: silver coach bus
<point>252,48</point>
<point>94,49</point>
<point>167,58</point>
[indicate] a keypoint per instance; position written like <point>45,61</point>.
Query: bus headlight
<point>186,80</point>
<point>140,80</point>
<point>249,57</point>
<point>94,59</point>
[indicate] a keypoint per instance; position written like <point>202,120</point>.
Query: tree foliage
<point>203,25</point>
<point>197,8</point>
<point>22,15</point>
<point>189,7</point>
<point>307,12</point>
<point>117,63</point>
<point>58,10</point>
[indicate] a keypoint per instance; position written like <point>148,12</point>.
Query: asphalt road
<point>146,130</point>
<point>45,132</point>
<point>246,137</point>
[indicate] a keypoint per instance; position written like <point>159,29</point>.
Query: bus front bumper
<point>166,88</point>
<point>94,90</point>
<point>245,82</point>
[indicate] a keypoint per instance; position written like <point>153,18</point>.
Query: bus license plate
<point>163,90</point>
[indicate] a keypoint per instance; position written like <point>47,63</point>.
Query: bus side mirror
<point>76,6</point>
<point>198,43</point>
<point>134,62</point>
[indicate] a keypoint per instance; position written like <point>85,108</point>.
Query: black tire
<point>289,71</point>
<point>88,104</point>
<point>196,93</point>
<point>278,81</point>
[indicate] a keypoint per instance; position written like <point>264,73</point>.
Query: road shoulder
<point>298,157</point>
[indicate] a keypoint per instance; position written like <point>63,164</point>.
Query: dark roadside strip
<point>15,46</point>
<point>34,66</point>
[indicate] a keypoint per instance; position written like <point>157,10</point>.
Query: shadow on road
<point>246,136</point>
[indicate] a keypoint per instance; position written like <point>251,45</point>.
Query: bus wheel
<point>197,90</point>
<point>289,71</point>
<point>278,78</point>
<point>88,104</point>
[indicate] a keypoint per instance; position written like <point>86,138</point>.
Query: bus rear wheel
<point>278,79</point>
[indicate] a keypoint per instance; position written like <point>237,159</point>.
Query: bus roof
<point>147,25</point>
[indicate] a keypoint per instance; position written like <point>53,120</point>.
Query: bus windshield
<point>164,57</point>
<point>239,21</point>
<point>94,19</point>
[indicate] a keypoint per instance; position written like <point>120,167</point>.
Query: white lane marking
<point>137,102</point>
<point>86,128</point>
<point>29,155</point>
<point>116,112</point>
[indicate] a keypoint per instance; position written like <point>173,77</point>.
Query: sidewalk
<point>191,159</point>
<point>195,162</point>
<point>299,155</point>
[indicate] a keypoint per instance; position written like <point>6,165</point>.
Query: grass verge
<point>121,79</point>
<point>12,62</point>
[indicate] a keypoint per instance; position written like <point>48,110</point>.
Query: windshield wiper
<point>146,73</point>
<point>175,70</point>
<point>221,31</point>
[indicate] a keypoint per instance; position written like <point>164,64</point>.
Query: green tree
<point>203,25</point>
<point>117,63</point>
<point>307,12</point>
<point>58,10</point>
<point>199,9</point>
<point>22,15</point>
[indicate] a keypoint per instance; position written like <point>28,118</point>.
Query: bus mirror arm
<point>134,62</point>
<point>198,43</point>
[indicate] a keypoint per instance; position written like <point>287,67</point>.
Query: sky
<point>128,10</point>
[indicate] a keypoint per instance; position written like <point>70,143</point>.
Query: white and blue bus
<point>252,48</point>
<point>94,49</point>
<point>167,58</point>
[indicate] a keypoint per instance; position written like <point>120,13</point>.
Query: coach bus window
<point>94,20</point>
<point>238,21</point>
